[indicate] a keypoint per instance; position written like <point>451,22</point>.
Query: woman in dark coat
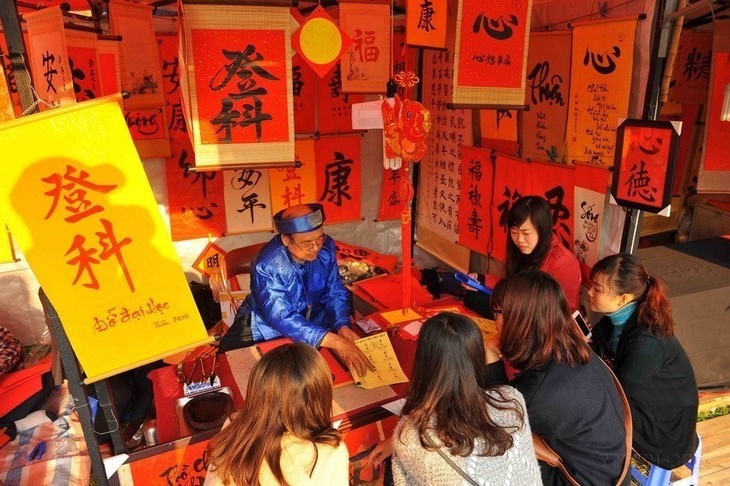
<point>637,333</point>
<point>572,401</point>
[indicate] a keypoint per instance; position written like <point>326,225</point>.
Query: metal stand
<point>77,388</point>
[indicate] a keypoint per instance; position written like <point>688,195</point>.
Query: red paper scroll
<point>291,186</point>
<point>334,108</point>
<point>404,58</point>
<point>477,173</point>
<point>426,22</point>
<point>304,88</point>
<point>547,94</point>
<point>717,147</point>
<point>109,74</point>
<point>170,68</point>
<point>338,177</point>
<point>9,76</point>
<point>510,184</point>
<point>392,196</point>
<point>555,182</point>
<point>195,199</point>
<point>498,130</point>
<point>491,47</point>
<point>691,74</point>
<point>244,99</point>
<point>365,65</point>
<point>645,155</point>
<point>84,63</point>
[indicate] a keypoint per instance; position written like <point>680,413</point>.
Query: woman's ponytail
<point>655,310</point>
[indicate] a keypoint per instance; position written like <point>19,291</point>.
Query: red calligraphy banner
<point>426,23</point>
<point>477,174</point>
<point>295,185</point>
<point>195,199</point>
<point>6,102</point>
<point>139,63</point>
<point>244,98</point>
<point>393,195</point>
<point>236,82</point>
<point>84,63</point>
<point>404,58</point>
<point>556,183</point>
<point>498,129</point>
<point>338,177</point>
<point>691,73</point>
<point>366,64</point>
<point>717,146</point>
<point>334,108</point>
<point>149,132</point>
<point>304,88</point>
<point>170,69</point>
<point>491,47</point>
<point>510,184</point>
<point>9,76</point>
<point>645,156</point>
<point>109,68</point>
<point>548,88</point>
<point>49,65</point>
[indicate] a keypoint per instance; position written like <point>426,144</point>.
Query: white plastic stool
<point>662,477</point>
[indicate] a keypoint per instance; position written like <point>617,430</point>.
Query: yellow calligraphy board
<point>379,351</point>
<point>82,212</point>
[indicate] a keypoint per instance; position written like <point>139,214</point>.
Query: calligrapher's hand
<point>381,452</point>
<point>353,357</point>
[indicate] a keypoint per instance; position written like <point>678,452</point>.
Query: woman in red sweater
<point>533,246</point>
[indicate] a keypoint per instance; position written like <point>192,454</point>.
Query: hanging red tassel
<point>406,190</point>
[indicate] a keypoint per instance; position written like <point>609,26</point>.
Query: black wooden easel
<point>76,386</point>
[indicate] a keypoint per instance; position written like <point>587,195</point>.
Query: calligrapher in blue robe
<point>284,292</point>
<point>296,289</point>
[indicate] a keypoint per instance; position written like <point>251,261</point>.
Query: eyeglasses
<point>309,245</point>
<point>496,310</point>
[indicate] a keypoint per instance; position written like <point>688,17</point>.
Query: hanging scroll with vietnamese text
<point>548,89</point>
<point>365,65</point>
<point>490,53</point>
<point>600,86</point>
<point>83,214</point>
<point>588,214</point>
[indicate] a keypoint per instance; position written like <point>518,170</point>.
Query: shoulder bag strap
<point>451,463</point>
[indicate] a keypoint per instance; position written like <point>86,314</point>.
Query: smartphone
<point>582,324</point>
<point>466,279</point>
